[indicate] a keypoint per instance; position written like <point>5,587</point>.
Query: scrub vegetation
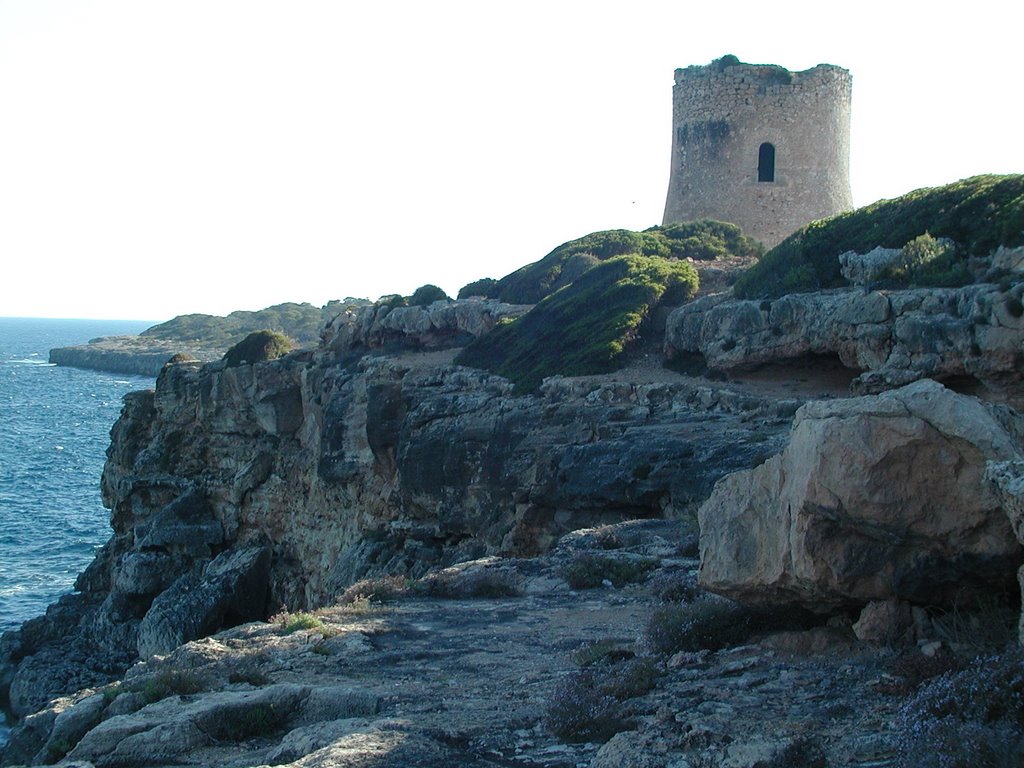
<point>585,327</point>
<point>977,214</point>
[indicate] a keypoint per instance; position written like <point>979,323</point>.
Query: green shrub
<point>973,718</point>
<point>258,347</point>
<point>534,282</point>
<point>426,295</point>
<point>984,624</point>
<point>486,287</point>
<point>588,571</point>
<point>978,214</point>
<point>583,328</point>
<point>706,240</point>
<point>926,260</point>
<point>297,622</point>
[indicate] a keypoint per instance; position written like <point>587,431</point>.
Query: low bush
<point>426,295</point>
<point>707,240</point>
<point>258,347</point>
<point>301,621</point>
<point>600,651</point>
<point>245,722</point>
<point>588,571</point>
<point>379,590</point>
<point>926,260</point>
<point>675,586</point>
<point>252,677</point>
<point>587,705</point>
<point>167,683</point>
<point>709,622</point>
<point>393,301</point>
<point>627,679</point>
<point>579,711</point>
<point>973,718</point>
<point>486,287</point>
<point>910,670</point>
<point>473,583</point>
<point>978,214</point>
<point>984,624</point>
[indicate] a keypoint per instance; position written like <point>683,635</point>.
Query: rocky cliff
<point>236,491</point>
<point>239,492</point>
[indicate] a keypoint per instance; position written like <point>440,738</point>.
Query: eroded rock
<point>873,498</point>
<point>892,337</point>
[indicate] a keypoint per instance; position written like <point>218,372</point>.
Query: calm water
<point>54,431</point>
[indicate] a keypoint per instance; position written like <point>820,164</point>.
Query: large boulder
<point>874,498</point>
<point>231,589</point>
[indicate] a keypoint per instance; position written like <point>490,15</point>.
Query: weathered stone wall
<point>721,115</point>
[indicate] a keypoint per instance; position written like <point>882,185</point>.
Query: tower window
<point>766,162</point>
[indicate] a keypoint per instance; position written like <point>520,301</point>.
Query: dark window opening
<point>766,162</point>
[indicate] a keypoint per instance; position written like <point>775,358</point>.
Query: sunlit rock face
<point>873,498</point>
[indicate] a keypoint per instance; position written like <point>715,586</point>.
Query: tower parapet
<point>759,146</point>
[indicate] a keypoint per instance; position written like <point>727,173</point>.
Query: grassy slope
<point>979,214</point>
<point>584,327</point>
<point>701,240</point>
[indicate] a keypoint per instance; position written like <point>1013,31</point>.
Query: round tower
<point>759,146</point>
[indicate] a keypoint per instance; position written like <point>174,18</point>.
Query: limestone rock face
<point>436,326</point>
<point>863,268</point>
<point>873,498</point>
<point>893,337</point>
<point>235,491</point>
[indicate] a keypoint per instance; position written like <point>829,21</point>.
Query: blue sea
<point>54,431</point>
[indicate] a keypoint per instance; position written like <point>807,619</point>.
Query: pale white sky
<point>159,157</point>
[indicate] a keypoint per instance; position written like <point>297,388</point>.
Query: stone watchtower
<point>759,146</point>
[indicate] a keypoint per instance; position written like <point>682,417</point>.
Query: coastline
<point>130,355</point>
